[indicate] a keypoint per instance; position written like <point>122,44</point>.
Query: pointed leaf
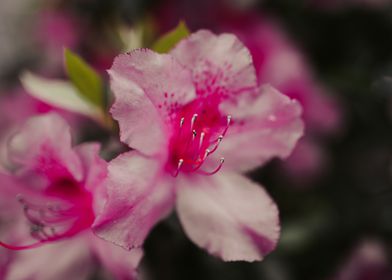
<point>170,39</point>
<point>85,78</point>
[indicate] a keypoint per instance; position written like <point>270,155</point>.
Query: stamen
<point>182,122</point>
<point>193,120</point>
<point>38,215</point>
<point>37,231</point>
<point>228,121</point>
<point>191,149</point>
<point>44,219</point>
<point>201,139</point>
<point>179,165</point>
<point>222,160</point>
<point>201,161</point>
<point>215,147</point>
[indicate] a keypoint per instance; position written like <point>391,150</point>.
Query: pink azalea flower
<point>279,62</point>
<point>181,113</point>
<point>51,192</point>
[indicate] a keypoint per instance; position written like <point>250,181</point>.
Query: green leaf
<point>165,43</point>
<point>84,78</point>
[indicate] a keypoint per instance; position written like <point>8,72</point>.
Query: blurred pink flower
<point>57,30</point>
<point>17,106</point>
<point>178,111</point>
<point>58,188</point>
<point>44,167</point>
<point>54,31</point>
<point>369,261</point>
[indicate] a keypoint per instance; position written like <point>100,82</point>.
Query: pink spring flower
<point>58,188</point>
<point>279,62</point>
<point>181,113</point>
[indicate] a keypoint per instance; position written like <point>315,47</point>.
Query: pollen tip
<point>182,121</point>
<point>194,117</point>
<point>179,165</point>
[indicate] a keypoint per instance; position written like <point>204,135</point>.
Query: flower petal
<point>229,216</point>
<point>264,127</point>
<point>137,198</point>
<point>5,258</point>
<point>63,260</point>
<point>94,167</point>
<point>147,86</point>
<point>121,263</point>
<point>43,145</point>
<point>220,64</point>
<point>94,170</point>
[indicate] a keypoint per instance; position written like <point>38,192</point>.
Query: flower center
<point>199,128</point>
<point>57,220</point>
